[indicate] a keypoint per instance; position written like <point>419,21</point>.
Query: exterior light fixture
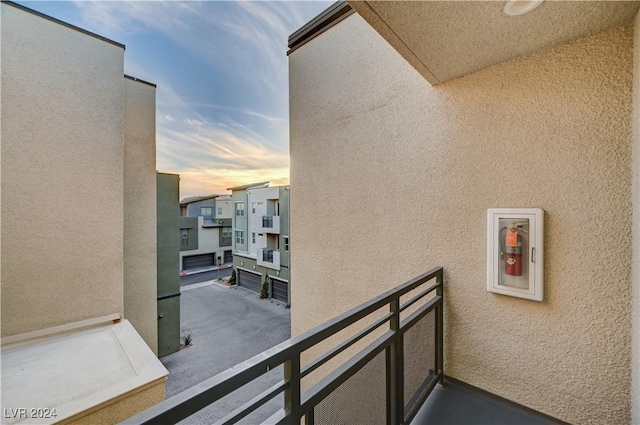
<point>520,7</point>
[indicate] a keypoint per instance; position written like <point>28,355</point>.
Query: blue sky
<point>222,75</point>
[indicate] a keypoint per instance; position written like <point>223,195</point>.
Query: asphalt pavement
<point>227,326</point>
<point>205,276</point>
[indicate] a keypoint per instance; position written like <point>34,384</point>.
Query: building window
<point>239,209</point>
<point>219,210</point>
<point>240,237</point>
<point>253,238</point>
<point>226,232</point>
<point>184,240</point>
<point>286,243</point>
<point>206,211</point>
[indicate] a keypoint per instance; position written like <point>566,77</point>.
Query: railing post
<point>395,369</point>
<point>292,394</point>
<point>439,343</point>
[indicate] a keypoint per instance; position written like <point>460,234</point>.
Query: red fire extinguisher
<point>512,252</point>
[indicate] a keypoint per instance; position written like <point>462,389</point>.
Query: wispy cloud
<point>227,123</point>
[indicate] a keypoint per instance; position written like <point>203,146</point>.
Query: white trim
<point>245,255</point>
<point>278,278</point>
<point>96,321</point>
<point>535,216</point>
<point>250,271</point>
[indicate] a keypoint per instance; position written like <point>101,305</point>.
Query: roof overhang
<point>443,40</point>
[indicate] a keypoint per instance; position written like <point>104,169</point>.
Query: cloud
<point>211,140</point>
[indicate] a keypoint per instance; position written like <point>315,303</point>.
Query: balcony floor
<point>457,403</point>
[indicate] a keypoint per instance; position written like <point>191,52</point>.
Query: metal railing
<point>267,255</point>
<point>298,404</point>
<point>267,221</point>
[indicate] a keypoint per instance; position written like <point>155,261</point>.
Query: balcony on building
<point>268,257</point>
<point>270,224</point>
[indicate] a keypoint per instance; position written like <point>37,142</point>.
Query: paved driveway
<point>228,326</point>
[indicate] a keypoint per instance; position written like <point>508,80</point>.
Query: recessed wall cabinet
<point>515,254</point>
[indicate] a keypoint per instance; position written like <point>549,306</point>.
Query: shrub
<point>232,279</point>
<point>186,339</point>
<point>264,292</point>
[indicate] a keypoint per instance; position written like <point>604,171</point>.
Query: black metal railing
<point>267,221</point>
<point>400,317</point>
<point>267,255</point>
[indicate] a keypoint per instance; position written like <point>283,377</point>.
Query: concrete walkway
<point>228,326</point>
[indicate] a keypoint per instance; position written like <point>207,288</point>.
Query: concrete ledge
<point>77,372</point>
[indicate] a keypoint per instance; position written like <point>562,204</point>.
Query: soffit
<point>448,39</point>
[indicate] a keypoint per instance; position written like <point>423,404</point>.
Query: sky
<point>222,114</point>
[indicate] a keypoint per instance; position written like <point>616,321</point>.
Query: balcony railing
<point>269,258</point>
<point>267,255</point>
<point>267,221</point>
<point>270,224</point>
<point>386,318</point>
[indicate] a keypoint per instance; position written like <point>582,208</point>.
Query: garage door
<point>197,261</point>
<point>228,257</point>
<point>250,281</point>
<point>280,290</point>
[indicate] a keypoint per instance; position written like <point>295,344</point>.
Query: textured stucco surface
<point>140,252</point>
<point>551,130</point>
<point>62,174</point>
<point>448,39</point>
<point>124,407</point>
<point>635,369</point>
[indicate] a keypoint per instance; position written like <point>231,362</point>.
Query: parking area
<point>227,326</point>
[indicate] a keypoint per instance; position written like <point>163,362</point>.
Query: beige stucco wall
<point>123,407</point>
<point>551,130</point>
<point>140,252</point>
<point>62,174</point>
<point>635,369</point>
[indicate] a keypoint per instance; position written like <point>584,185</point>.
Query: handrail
<point>299,405</point>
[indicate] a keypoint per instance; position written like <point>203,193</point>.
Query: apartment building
<point>261,239</point>
<point>205,232</point>
<point>452,109</point>
<point>79,267</point>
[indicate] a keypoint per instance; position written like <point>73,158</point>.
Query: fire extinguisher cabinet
<point>515,255</point>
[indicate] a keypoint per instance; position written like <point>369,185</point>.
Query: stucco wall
<point>227,208</point>
<point>62,174</point>
<point>635,369</point>
<point>124,407</point>
<point>168,234</point>
<point>140,262</point>
<point>551,130</point>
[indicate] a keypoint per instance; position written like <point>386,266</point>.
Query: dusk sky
<point>222,75</point>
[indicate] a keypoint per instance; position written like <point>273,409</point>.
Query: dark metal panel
<point>280,290</point>
<point>197,261</point>
<point>250,281</point>
<point>228,257</point>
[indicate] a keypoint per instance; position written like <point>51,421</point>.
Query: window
<point>286,243</point>
<point>239,209</point>
<point>253,238</point>
<point>226,232</point>
<point>219,211</point>
<point>206,211</point>
<point>240,237</point>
